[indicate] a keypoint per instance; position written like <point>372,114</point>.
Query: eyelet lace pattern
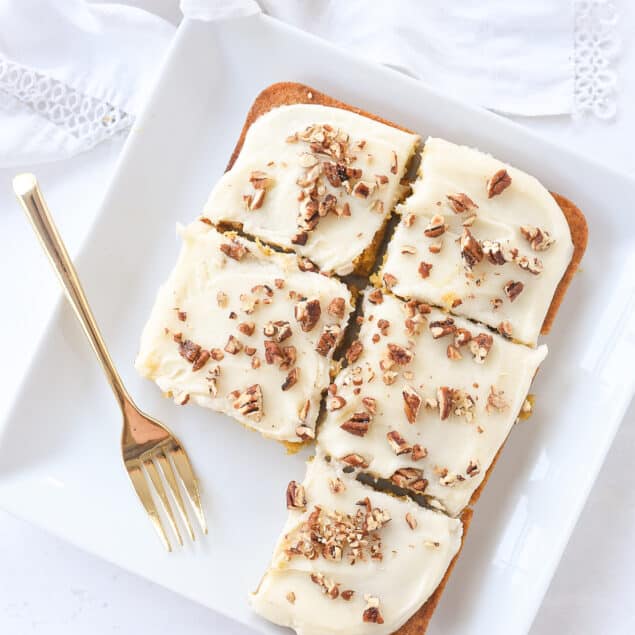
<point>596,45</point>
<point>88,120</point>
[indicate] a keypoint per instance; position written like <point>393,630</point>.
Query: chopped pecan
<point>538,239</point>
<point>445,397</point>
<point>304,432</point>
<point>289,354</point>
<point>494,252</point>
<point>290,597</point>
<point>327,205</point>
<point>370,403</point>
<point>473,468</point>
<point>247,328</point>
<point>255,202</point>
<point>453,353</point>
<point>300,238</point>
<point>418,452</point>
<point>249,402</point>
<point>505,328</point>
<point>480,347</point>
<point>389,280</point>
<point>435,248</point>
<point>355,460</point>
<point>373,614</point>
<point>411,520</point>
<point>328,339</point>
<point>435,227</point>
<point>424,269</point>
<point>363,189</point>
<point>189,350</point>
<point>399,354</point>
<point>233,346</point>
<point>347,594</point>
<point>441,328</point>
<point>461,203</point>
<point>358,424</point>
<point>260,180</point>
<point>495,400</point>
<point>291,379</point>
<point>222,299</point>
<point>461,337</point>
<point>376,296</point>
<point>278,331</point>
<point>412,403</point>
<point>296,496</point>
<point>513,289</point>
<point>533,266</point>
<point>217,354</point>
<point>336,485</point>
<point>182,315</point>
<point>307,313</point>
<point>471,250</point>
<point>273,353</point>
<point>337,307</point>
<point>234,249</point>
<point>354,351</point>
<point>499,182</point>
<point>336,403</point>
<point>409,478</point>
<point>398,443</point>
<point>394,166</point>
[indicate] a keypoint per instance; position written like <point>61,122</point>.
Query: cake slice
<point>481,239</point>
<point>319,180</point>
<point>427,400</point>
<point>242,330</point>
<point>355,561</point>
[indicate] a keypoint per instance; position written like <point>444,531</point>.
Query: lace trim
<point>85,118</point>
<point>596,45</point>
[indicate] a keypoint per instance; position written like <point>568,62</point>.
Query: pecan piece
<point>328,339</point>
<point>453,353</point>
<point>200,361</point>
<point>189,350</point>
<point>435,227</point>
<point>495,400</point>
<point>233,346</point>
<point>441,328</point>
<point>355,460</point>
<point>234,249</point>
<point>538,239</point>
<point>336,403</point>
<point>246,328</point>
<point>399,354</point>
<point>471,250</point>
<point>249,402</point>
<point>513,289</point>
<point>499,182</point>
<point>412,403</point>
<point>461,203</point>
<point>273,353</point>
<point>480,347</point>
<point>409,478</point>
<point>418,452</point>
<point>445,397</point>
<point>389,280</point>
<point>411,520</point>
<point>505,329</point>
<point>534,266</point>
<point>461,337</point>
<point>337,307</point>
<point>291,379</point>
<point>358,424</point>
<point>376,296</point>
<point>307,313</point>
<point>424,269</point>
<point>398,443</point>
<point>370,403</point>
<point>494,252</point>
<point>296,496</point>
<point>354,351</point>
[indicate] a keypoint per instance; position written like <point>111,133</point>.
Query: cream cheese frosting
<point>426,400</point>
<point>318,180</point>
<point>242,330</point>
<point>480,238</point>
<point>325,580</point>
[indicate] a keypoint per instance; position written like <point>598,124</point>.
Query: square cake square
<point>319,180</point>
<point>480,238</point>
<point>426,400</point>
<point>353,557</point>
<point>242,330</point>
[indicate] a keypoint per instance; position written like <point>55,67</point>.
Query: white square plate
<point>59,443</point>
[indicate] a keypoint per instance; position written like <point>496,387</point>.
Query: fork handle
<point>28,192</point>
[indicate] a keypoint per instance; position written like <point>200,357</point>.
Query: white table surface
<point>50,588</point>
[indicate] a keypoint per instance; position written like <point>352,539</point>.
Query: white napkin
<point>508,55</point>
<point>72,74</point>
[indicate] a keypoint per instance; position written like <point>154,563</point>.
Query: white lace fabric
<point>84,119</point>
<point>596,46</point>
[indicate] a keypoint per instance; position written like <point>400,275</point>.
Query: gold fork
<point>145,443</point>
